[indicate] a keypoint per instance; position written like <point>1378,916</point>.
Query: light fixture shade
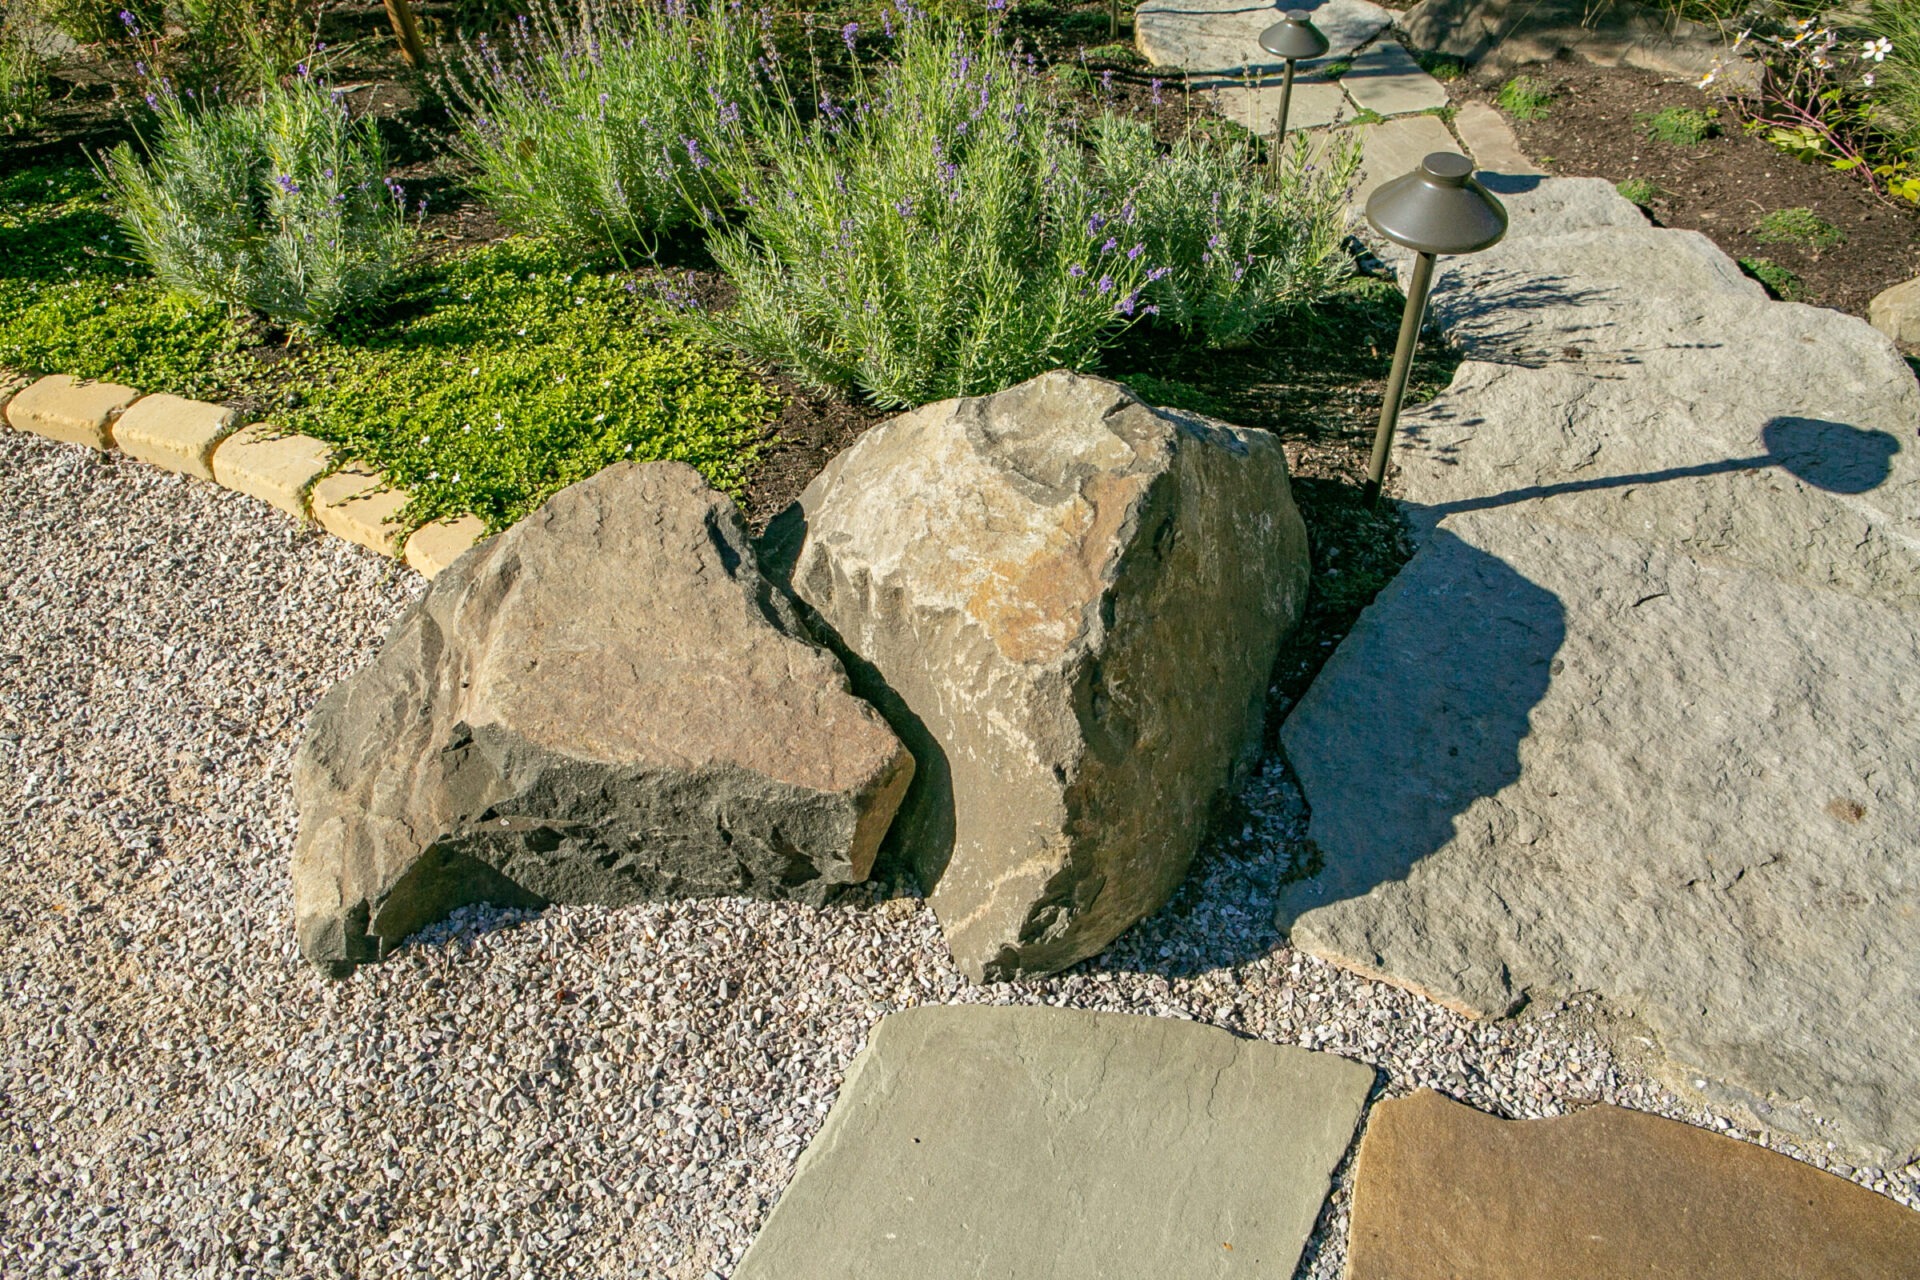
<point>1438,208</point>
<point>1294,38</point>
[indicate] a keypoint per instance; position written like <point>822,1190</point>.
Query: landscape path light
<point>1438,208</point>
<point>1293,39</point>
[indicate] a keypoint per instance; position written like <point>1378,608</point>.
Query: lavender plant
<point>1239,247</point>
<point>602,124</point>
<point>23,79</point>
<point>280,204</point>
<point>942,233</point>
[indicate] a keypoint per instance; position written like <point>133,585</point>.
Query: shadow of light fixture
<point>1438,208</point>
<point>1292,39</point>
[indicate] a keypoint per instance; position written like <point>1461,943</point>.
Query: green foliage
<point>1897,83</point>
<point>1678,126</point>
<point>1525,98</point>
<point>70,302</point>
<point>941,236</point>
<point>505,374</point>
<point>1640,191</point>
<point>249,43</point>
<point>1173,393</point>
<point>23,80</point>
<point>1779,281</point>
<point>93,21</point>
<point>1441,66</point>
<point>282,205</point>
<point>1234,246</point>
<point>947,232</point>
<point>1801,226</point>
<point>602,126</point>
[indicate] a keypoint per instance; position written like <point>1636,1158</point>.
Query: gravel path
<point>580,1092</point>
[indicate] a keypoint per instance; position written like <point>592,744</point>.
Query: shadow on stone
<point>1830,456</point>
<point>1420,714</point>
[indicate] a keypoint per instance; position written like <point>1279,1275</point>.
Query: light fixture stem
<point>1397,379</point>
<point>1280,122</point>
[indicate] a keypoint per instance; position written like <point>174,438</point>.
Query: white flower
<point>1876,50</point>
<point>1867,80</point>
<point>1740,41</point>
<point>1710,77</point>
<point>1822,61</point>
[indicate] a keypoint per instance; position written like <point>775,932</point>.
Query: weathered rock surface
<point>1443,1191</point>
<point>1896,312</point>
<point>976,1141</point>
<point>1067,603</point>
<point>606,703</point>
<point>1221,38</point>
<point>1640,716</point>
<point>1609,33</point>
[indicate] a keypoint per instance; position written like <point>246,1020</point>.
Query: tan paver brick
<point>1490,139</point>
<point>432,547</point>
<point>70,410</point>
<point>353,504</point>
<point>275,468</point>
<point>175,433</point>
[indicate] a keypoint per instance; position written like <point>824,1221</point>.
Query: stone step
<point>978,1141</point>
<point>1443,1191</point>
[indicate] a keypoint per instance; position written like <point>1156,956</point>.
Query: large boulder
<point>1068,603</point>
<point>606,703</point>
<point>1608,33</point>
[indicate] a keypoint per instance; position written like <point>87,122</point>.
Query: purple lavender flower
<point>904,207</point>
<point>1106,284</point>
<point>1106,80</point>
<point>1155,86</point>
<point>153,103</point>
<point>694,154</point>
<point>847,34</point>
<point>1110,245</point>
<point>1135,252</point>
<point>286,183</point>
<point>302,71</point>
<point>1096,222</point>
<point>1125,305</point>
<point>131,23</point>
<point>1076,271</point>
<point>1158,273</point>
<point>886,22</point>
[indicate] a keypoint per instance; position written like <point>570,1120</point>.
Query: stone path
<point>1444,1191</point>
<point>1021,1143</point>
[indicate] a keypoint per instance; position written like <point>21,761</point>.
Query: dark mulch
<point>1723,186</point>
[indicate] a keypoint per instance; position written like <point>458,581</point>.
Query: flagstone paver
<point>972,1141</point>
<point>1443,1191</point>
<point>1221,38</point>
<point>175,433</point>
<point>1639,718</point>
<point>1385,79</point>
<point>1489,139</point>
<point>1395,147</point>
<point>1315,103</point>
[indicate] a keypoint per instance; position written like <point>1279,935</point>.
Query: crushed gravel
<point>579,1092</point>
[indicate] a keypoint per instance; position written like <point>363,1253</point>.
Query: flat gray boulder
<point>1220,39</point>
<point>1016,1143</point>
<point>607,703</point>
<point>1640,717</point>
<point>1067,603</point>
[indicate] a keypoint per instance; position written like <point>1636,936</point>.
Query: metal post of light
<point>1438,208</point>
<point>1292,39</point>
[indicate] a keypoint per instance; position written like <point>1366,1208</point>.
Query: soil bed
<point>1722,187</point>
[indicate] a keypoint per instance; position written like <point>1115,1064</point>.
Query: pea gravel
<point>579,1092</point>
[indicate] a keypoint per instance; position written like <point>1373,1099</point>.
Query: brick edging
<point>208,442</point>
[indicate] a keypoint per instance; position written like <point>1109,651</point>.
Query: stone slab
<point>1896,312</point>
<point>172,432</point>
<point>1443,1191</point>
<point>276,468</point>
<point>1398,146</point>
<point>70,410</point>
<point>1638,717</point>
<point>1510,33</point>
<point>1490,140</point>
<point>1385,79</point>
<point>1221,38</point>
<point>1315,104</point>
<point>973,1141</point>
<point>432,547</point>
<point>356,504</point>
